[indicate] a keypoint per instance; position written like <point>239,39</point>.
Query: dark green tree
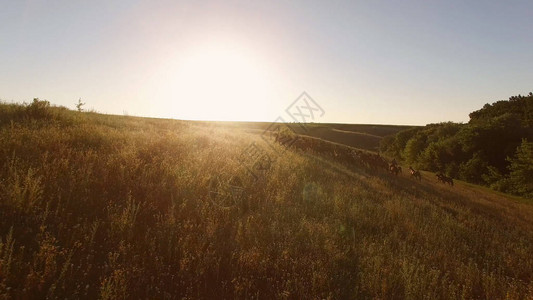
<point>521,167</point>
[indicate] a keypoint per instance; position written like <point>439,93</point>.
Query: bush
<point>474,169</point>
<point>38,109</point>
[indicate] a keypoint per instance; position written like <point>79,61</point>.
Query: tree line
<point>495,148</point>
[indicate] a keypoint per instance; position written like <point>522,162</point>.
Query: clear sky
<point>389,62</point>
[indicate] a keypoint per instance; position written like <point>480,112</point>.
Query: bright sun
<point>219,83</point>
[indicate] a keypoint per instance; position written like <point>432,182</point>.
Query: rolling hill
<point>98,206</point>
<point>361,136</point>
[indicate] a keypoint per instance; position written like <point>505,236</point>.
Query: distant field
<point>95,206</point>
<point>359,136</point>
<point>362,136</point>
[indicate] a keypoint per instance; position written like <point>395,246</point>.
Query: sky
<point>372,62</point>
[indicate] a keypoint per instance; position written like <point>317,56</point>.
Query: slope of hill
<point>118,207</point>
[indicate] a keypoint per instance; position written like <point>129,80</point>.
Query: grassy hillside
<point>118,207</point>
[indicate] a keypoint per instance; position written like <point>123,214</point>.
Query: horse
<point>445,179</point>
<point>394,169</point>
<point>415,173</point>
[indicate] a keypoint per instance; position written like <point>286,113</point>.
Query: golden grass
<point>117,207</point>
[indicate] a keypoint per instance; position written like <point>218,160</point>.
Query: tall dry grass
<point>95,206</point>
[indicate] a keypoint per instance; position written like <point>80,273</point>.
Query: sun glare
<point>218,83</point>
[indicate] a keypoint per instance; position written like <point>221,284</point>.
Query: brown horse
<point>445,179</point>
<point>394,169</point>
<point>415,173</point>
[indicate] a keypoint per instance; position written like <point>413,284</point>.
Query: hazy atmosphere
<point>395,62</point>
<point>266,150</point>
